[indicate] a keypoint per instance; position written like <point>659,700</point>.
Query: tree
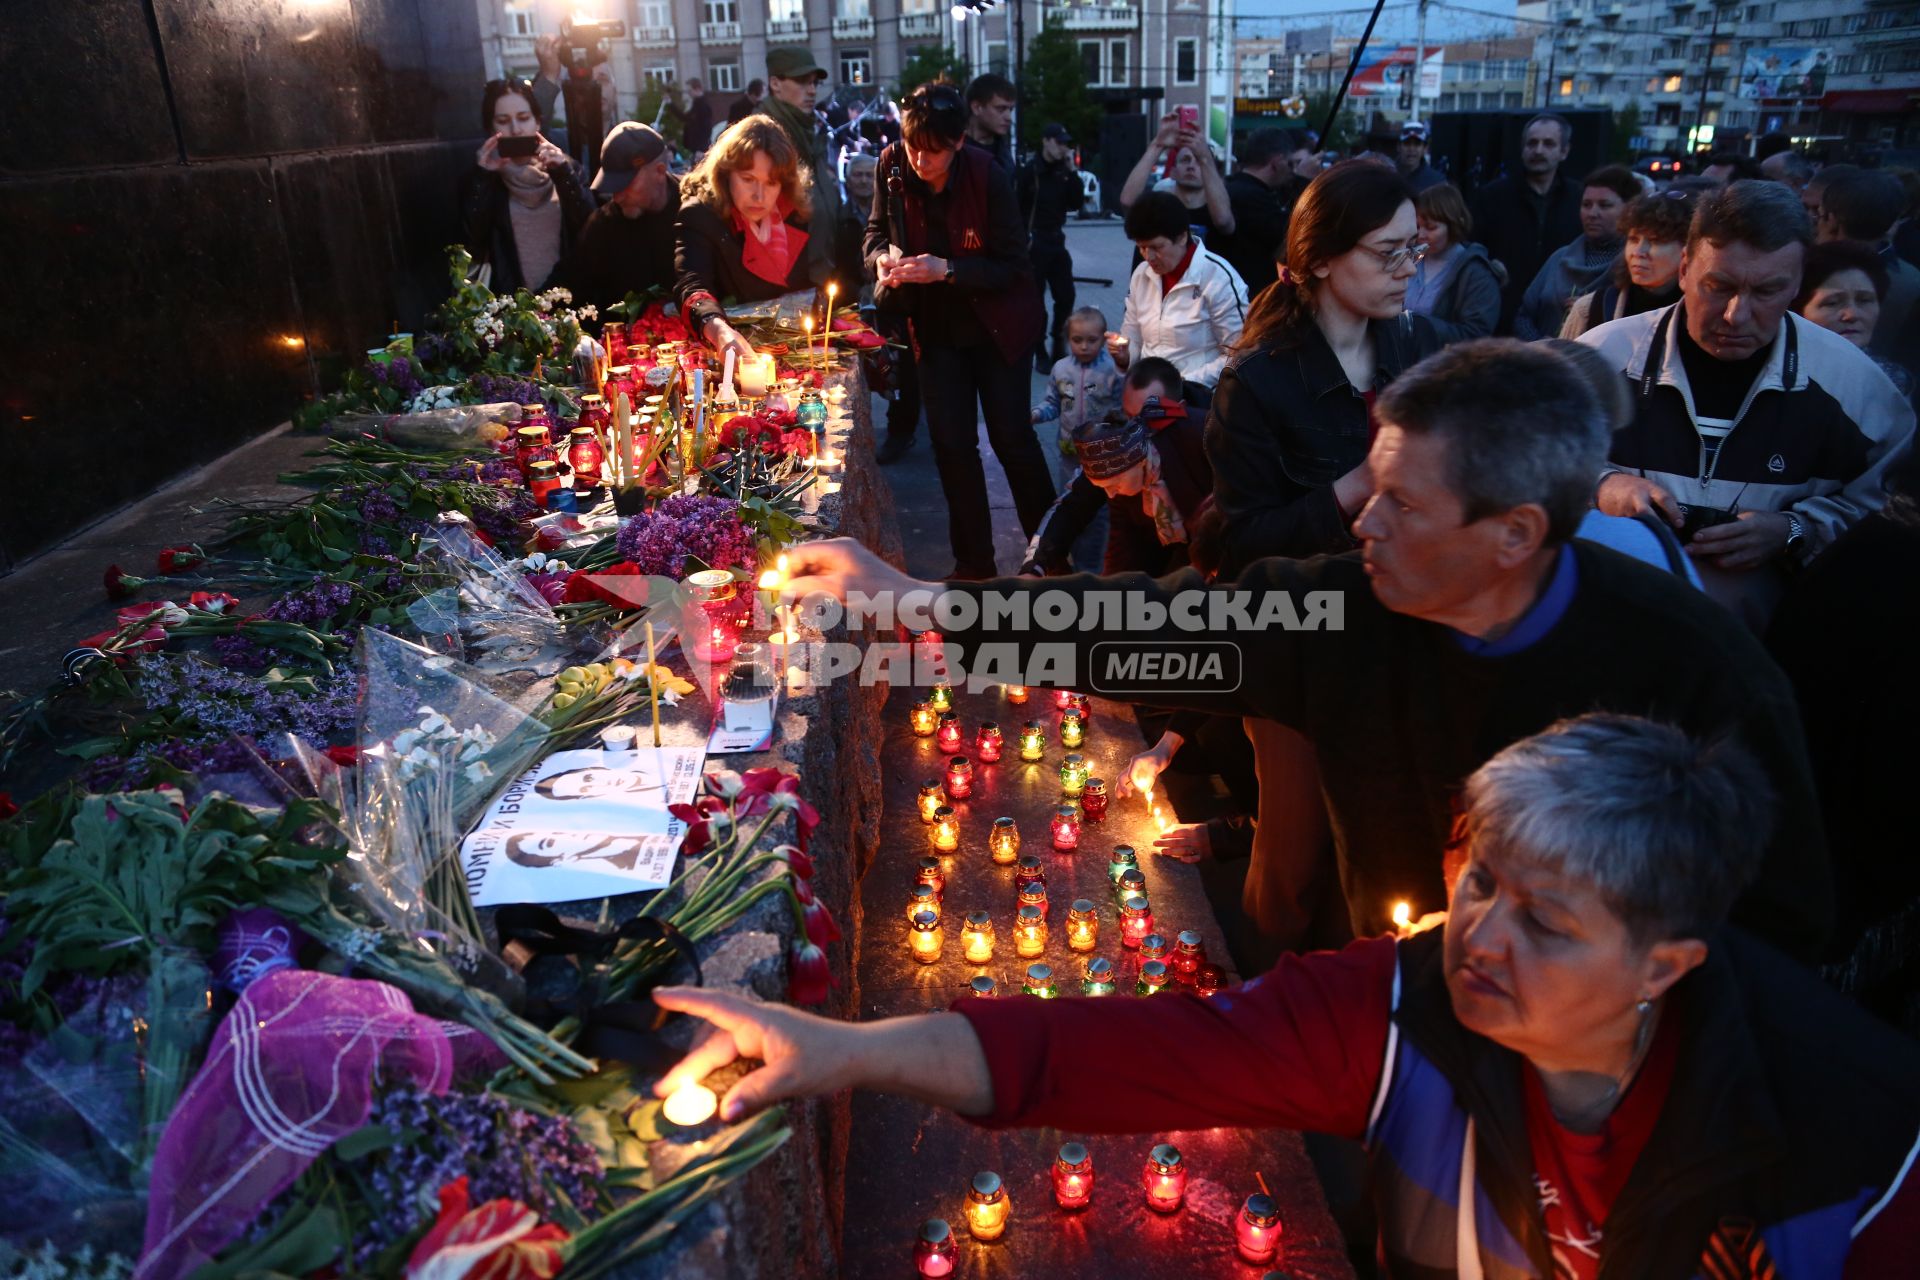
<point>1053,89</point>
<point>647,104</point>
<point>1626,127</point>
<point>930,62</point>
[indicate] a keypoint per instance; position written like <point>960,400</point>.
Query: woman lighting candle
<point>1165,1178</point>
<point>976,939</point>
<point>1073,1177</point>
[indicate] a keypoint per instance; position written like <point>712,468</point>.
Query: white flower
<point>725,783</point>
<point>405,741</point>
<point>478,771</point>
<point>171,614</point>
<point>432,721</point>
<point>536,562</point>
<point>783,800</point>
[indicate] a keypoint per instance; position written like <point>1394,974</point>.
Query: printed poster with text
<point>583,824</point>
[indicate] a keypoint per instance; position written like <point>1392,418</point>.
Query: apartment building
<point>1475,75</point>
<point>1739,68</point>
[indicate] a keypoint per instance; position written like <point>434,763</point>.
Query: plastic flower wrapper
<point>503,621</point>
<point>455,427</point>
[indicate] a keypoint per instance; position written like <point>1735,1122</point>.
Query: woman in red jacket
<point>1583,1069</point>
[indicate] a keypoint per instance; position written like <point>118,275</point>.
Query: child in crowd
<point>1083,387</point>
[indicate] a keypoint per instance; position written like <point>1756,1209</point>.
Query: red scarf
<point>1173,277</point>
<point>772,259</point>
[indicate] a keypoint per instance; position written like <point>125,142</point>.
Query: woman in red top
<point>1584,1072</point>
<point>742,233</point>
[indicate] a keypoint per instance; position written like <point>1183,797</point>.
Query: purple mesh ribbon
<point>252,944</point>
<point>291,1072</point>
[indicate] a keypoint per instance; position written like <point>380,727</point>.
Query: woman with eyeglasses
<point>948,251</point>
<point>1647,274</point>
<point>523,202</point>
<point>743,228</point>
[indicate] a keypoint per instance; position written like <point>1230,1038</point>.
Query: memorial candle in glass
<point>1033,741</point>
<point>926,937</point>
<point>1073,1177</point>
<point>1039,982</point>
<point>1098,980</point>
<point>1030,933</point>
<point>959,777</point>
<point>984,986</point>
<point>1136,922</point>
<point>1073,729</point>
<point>1210,979</point>
<point>1093,800</point>
<point>1003,842</point>
<point>1083,926</point>
<point>1032,894</point>
<point>1189,953</point>
<point>932,796</point>
<point>988,743</point>
<point>1153,947</point>
<point>1029,871</point>
<point>932,876</point>
<point>923,718</point>
<point>934,1253</point>
<point>976,938</point>
<point>987,1207</point>
<point>1153,978</point>
<point>1066,828</point>
<point>1257,1231</point>
<point>947,734</point>
<point>1165,1178</point>
<point>922,897</point>
<point>946,829</point>
<point>1017,694</point>
<point>1132,881</point>
<point>941,696</point>
<point>1073,774</point>
<point>1122,859</point>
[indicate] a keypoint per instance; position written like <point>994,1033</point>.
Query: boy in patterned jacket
<point>1083,387</point>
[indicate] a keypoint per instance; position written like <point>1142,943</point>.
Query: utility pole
<point>1700,112</point>
<point>1019,64</point>
<point>1419,60</point>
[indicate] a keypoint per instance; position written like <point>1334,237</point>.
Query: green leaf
<point>306,1240</point>
<point>375,1137</point>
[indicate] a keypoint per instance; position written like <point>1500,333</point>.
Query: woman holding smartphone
<point>523,201</point>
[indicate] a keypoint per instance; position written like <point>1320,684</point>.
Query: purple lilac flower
<point>502,514</point>
<point>432,349</point>
<point>224,702</point>
<point>398,373</point>
<point>313,606</point>
<point>491,388</point>
<point>709,528</point>
<point>241,653</point>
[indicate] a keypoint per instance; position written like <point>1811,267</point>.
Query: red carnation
<point>808,977</point>
<point>184,558</point>
<point>345,757</point>
<point>821,928</point>
<point>212,601</point>
<point>118,584</point>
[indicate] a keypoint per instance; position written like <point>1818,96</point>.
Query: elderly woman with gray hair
<point>1582,1069</point>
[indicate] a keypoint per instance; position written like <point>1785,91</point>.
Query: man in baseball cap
<point>793,82</point>
<point>1413,158</point>
<point>627,245</point>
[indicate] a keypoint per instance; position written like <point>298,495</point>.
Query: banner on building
<point>1310,41</point>
<point>1384,72</point>
<point>1772,72</point>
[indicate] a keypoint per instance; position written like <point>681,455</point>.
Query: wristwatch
<point>949,272</point>
<point>1796,534</point>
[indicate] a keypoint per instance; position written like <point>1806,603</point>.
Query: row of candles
<point>1163,1181</point>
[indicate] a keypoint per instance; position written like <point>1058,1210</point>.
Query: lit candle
<point>1189,953</point>
<point>1257,1232</point>
<point>1032,895</point>
<point>1030,933</point>
<point>806,348</point>
<point>987,1207</point>
<point>959,777</point>
<point>984,986</point>
<point>1153,977</point>
<point>941,696</point>
<point>1210,979</point>
<point>1062,699</point>
<point>988,743</point>
<point>1402,916</point>
<point>1122,859</point>
<point>922,897</point>
<point>1066,828</point>
<point>1033,740</point>
<point>934,1253</point>
<point>1165,1178</point>
<point>756,376</point>
<point>1017,694</point>
<point>946,829</point>
<point>926,937</point>
<point>1098,980</point>
<point>1073,774</point>
<point>1093,800</point>
<point>923,718</point>
<point>1083,926</point>
<point>1073,1177</point>
<point>976,939</point>
<point>1136,922</point>
<point>1039,982</point>
<point>690,1105</point>
<point>1153,947</point>
<point>1003,842</point>
<point>1029,871</point>
<point>932,796</point>
<point>1073,729</point>
<point>1143,775</point>
<point>933,877</point>
<point>826,331</point>
<point>947,736</point>
<point>1132,881</point>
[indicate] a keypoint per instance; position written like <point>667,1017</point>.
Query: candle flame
<point>292,341</point>
<point>770,579</point>
<point>689,1105</point>
<point>1402,914</point>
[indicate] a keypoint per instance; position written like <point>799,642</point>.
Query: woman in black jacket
<point>948,251</point>
<point>521,212</point>
<point>743,228</point>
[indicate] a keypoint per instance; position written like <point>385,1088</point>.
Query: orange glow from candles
<point>946,830</point>
<point>926,938</point>
<point>1003,842</point>
<point>689,1105</point>
<point>976,940</point>
<point>923,718</point>
<point>1083,926</point>
<point>1016,694</point>
<point>923,897</point>
<point>1030,933</point>
<point>987,1207</point>
<point>1402,915</point>
<point>933,794</point>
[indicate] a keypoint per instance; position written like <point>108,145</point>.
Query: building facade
<point>1739,68</point>
<point>1475,75</point>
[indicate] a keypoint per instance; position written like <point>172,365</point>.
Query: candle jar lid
<point>544,469</point>
<point>1036,726</point>
<point>1164,1157</point>
<point>1073,760</point>
<point>1132,881</point>
<point>988,729</point>
<point>1073,1156</point>
<point>1261,1211</point>
<point>930,863</point>
<point>1136,905</point>
<point>1189,940</point>
<point>1153,946</point>
<point>592,400</point>
<point>710,586</point>
<point>980,921</point>
<point>1067,813</point>
<point>986,1187</point>
<point>935,1231</point>
<point>925,921</point>
<point>1099,970</point>
<point>1040,975</point>
<point>931,785</point>
<point>1124,854</point>
<point>920,891</point>
<point>943,813</point>
<point>983,985</point>
<point>1081,907</point>
<point>959,764</point>
<point>1152,971</point>
<point>1096,786</point>
<point>1003,824</point>
<point>1031,914</point>
<point>1029,863</point>
<point>581,433</point>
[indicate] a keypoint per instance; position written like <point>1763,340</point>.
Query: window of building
<point>1512,99</point>
<point>1723,49</point>
<point>1586,87</point>
<point>1462,70</point>
<point>519,22</point>
<point>786,10</point>
<point>1448,101</point>
<point>658,73</point>
<point>856,66</point>
<point>723,77</point>
<point>722,11</point>
<point>1670,85</point>
<point>855,9</point>
<point>654,15</point>
<point>1090,62</point>
<point>1186,60</point>
<point>997,57</point>
<point>1117,69</point>
<point>1566,87</point>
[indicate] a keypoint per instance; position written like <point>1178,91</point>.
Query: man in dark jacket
<point>1412,157</point>
<point>747,103</point>
<point>1261,192</point>
<point>1523,220</point>
<point>627,245</point>
<point>1049,191</point>
<point>990,100</point>
<point>793,82</point>
<point>696,118</point>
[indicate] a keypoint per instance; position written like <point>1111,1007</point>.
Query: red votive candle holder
<point>1136,922</point>
<point>959,778</point>
<point>1257,1231</point>
<point>1165,1178</point>
<point>1189,953</point>
<point>1093,800</point>
<point>934,1253</point>
<point>988,743</point>
<point>1073,1177</point>
<point>947,736</point>
<point>1066,828</point>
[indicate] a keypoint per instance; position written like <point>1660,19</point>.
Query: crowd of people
<point>1616,482</point>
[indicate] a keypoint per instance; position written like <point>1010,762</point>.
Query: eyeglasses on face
<point>1391,260</point>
